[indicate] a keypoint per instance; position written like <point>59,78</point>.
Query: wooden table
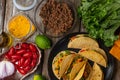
<point>11,10</point>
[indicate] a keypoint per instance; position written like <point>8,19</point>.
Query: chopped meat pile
<point>57,17</point>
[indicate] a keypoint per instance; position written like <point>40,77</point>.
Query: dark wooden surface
<point>11,10</point>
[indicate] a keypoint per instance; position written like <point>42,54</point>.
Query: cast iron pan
<point>62,45</point>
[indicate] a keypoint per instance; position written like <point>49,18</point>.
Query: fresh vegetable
<point>115,50</point>
<point>6,69</point>
<point>24,58</point>
<point>38,77</point>
<point>42,42</point>
<point>101,19</point>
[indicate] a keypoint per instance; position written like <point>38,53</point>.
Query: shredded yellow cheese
<point>19,26</point>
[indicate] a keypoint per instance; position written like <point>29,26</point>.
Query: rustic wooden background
<point>11,10</point>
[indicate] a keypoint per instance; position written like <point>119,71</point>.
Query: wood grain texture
<point>11,10</point>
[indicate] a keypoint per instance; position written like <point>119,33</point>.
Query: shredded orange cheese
<point>19,26</point>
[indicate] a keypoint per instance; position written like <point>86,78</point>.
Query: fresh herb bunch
<point>101,19</point>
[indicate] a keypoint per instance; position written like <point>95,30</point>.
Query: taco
<point>83,74</point>
<point>74,68</point>
<point>96,73</point>
<point>94,56</point>
<point>102,52</point>
<point>57,61</point>
<point>65,64</point>
<point>82,42</point>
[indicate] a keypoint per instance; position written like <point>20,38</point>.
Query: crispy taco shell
<point>86,69</point>
<point>76,68</point>
<point>96,73</point>
<point>66,63</point>
<point>58,60</point>
<point>82,42</point>
<point>94,56</point>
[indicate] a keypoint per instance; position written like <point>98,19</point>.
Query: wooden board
<point>11,10</point>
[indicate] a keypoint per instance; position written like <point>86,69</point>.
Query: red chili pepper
<point>32,48</point>
<point>11,51</point>
<point>27,62</point>
<point>27,54</point>
<point>17,57</point>
<point>25,45</point>
<point>23,72</point>
<point>20,51</point>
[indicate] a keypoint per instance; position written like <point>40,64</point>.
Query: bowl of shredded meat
<point>55,18</point>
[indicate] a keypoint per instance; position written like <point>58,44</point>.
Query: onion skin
<point>6,69</point>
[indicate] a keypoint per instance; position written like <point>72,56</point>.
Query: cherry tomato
<point>7,56</point>
<point>32,48</point>
<point>22,71</point>
<point>35,56</point>
<point>27,62</point>
<point>22,60</point>
<point>13,60</point>
<point>27,68</point>
<point>27,54</point>
<point>17,57</point>
<point>33,63</point>
<point>20,51</point>
<point>25,45</point>
<point>11,51</point>
<point>17,46</point>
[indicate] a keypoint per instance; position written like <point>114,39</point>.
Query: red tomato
<point>27,68</point>
<point>25,45</point>
<point>23,72</point>
<point>32,48</point>
<point>7,56</point>
<point>20,51</point>
<point>27,54</point>
<point>17,57</point>
<point>11,51</point>
<point>35,55</point>
<point>17,46</point>
<point>27,62</point>
<point>22,60</point>
<point>33,63</point>
<point>13,60</point>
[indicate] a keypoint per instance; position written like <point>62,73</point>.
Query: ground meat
<point>57,17</point>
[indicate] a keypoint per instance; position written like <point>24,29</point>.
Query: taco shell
<point>58,60</point>
<point>94,56</point>
<point>96,73</point>
<point>66,63</point>
<point>76,68</point>
<point>82,42</point>
<point>87,67</point>
<point>102,52</point>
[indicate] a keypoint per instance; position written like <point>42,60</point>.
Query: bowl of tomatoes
<point>25,56</point>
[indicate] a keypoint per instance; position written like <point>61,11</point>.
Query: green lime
<point>42,42</point>
<point>38,77</point>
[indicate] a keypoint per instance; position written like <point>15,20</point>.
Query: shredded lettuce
<point>101,19</point>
